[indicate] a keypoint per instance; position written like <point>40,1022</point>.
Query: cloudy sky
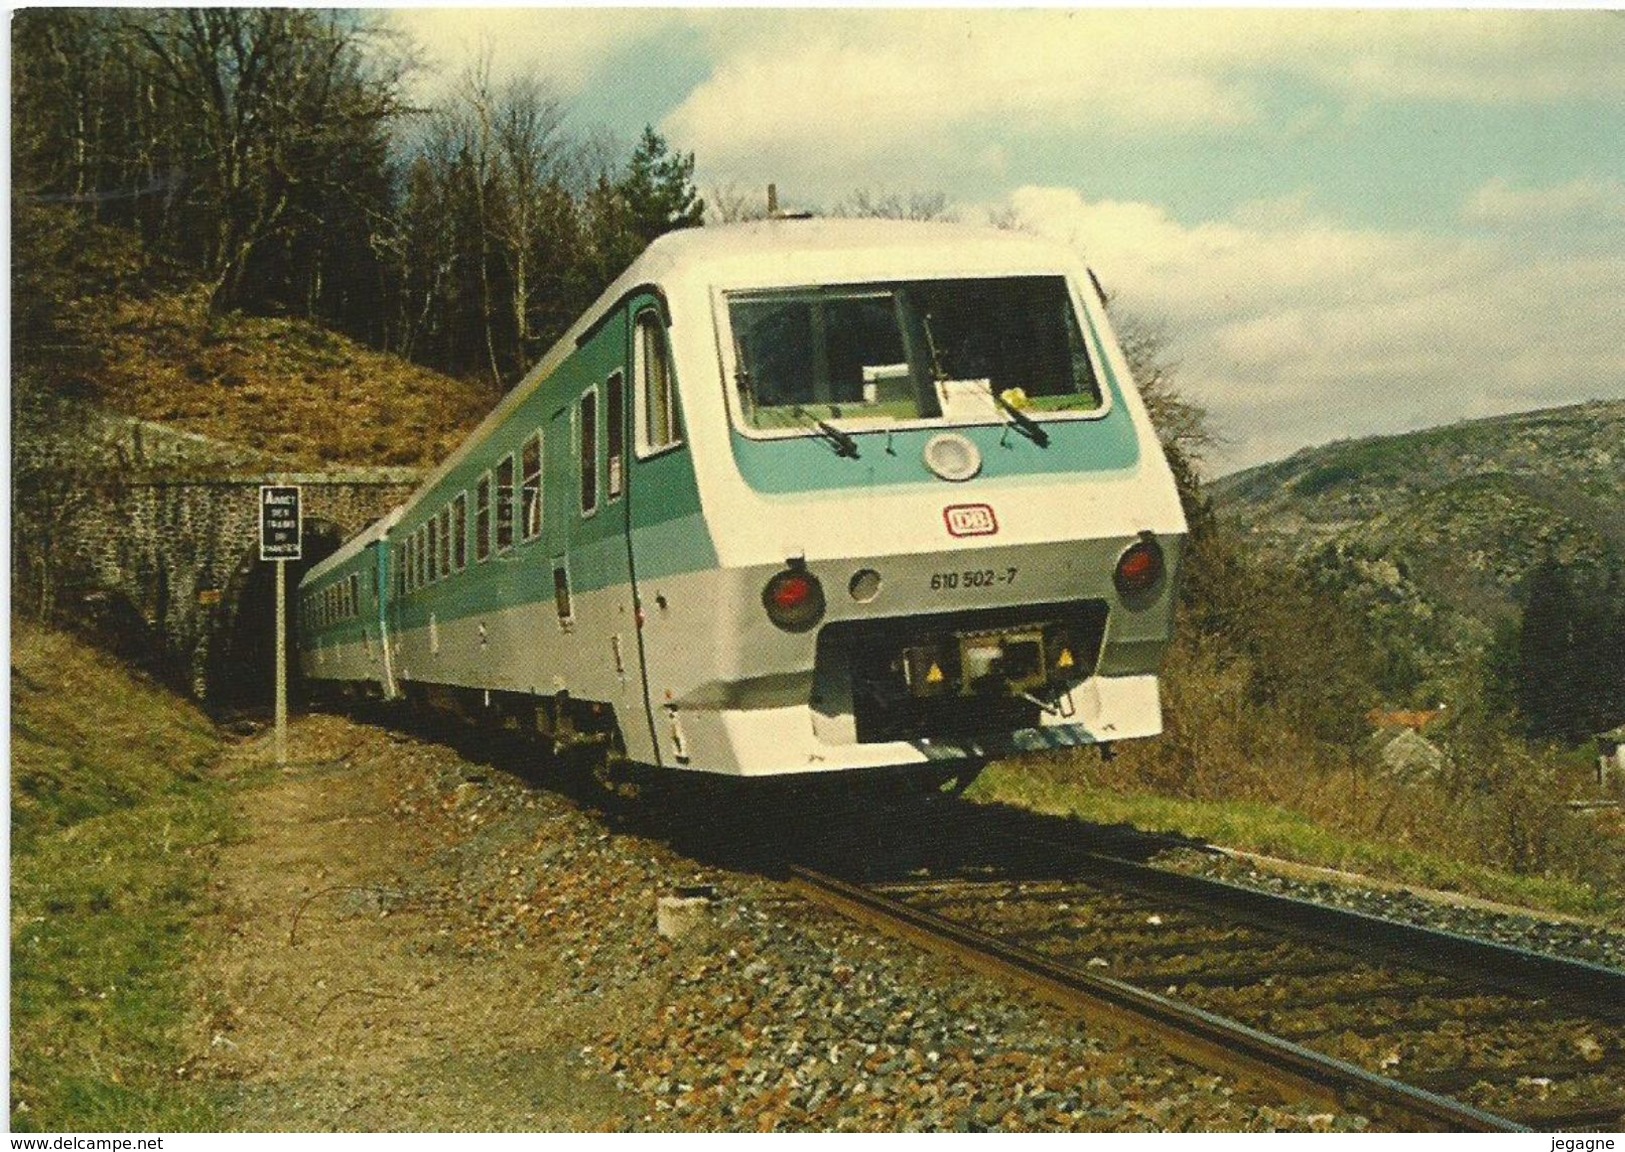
<point>1348,222</point>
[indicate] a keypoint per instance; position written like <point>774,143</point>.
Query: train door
<point>383,600</point>
<point>587,499</point>
<point>666,535</point>
<point>626,648</point>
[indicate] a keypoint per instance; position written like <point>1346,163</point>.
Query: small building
<point>1611,757</point>
<point>1410,756</point>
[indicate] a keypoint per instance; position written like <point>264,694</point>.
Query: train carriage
<point>793,496</point>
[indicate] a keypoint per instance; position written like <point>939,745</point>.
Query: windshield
<point>958,351</point>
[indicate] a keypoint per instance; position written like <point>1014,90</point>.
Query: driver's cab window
<point>659,424</point>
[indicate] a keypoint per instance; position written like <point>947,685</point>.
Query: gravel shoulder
<point>1571,937</point>
<point>408,939</point>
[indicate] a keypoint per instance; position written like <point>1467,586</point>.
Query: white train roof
<point>767,253</point>
<point>354,545</point>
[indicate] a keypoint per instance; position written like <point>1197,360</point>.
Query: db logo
<point>970,520</point>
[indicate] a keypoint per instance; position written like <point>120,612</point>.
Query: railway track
<point>1419,1029</point>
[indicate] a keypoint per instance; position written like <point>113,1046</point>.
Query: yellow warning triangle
<point>1066,660</point>
<point>935,675</point>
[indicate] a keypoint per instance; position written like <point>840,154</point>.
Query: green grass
<point>115,822</point>
<point>1275,831</point>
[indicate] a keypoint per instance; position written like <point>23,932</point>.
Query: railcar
<point>794,496</point>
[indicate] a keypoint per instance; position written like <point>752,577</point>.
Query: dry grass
<point>287,387</point>
<point>1492,823</point>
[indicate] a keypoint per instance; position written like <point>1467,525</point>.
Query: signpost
<point>281,529</point>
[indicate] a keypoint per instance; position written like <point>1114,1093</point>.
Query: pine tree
<point>659,191</point>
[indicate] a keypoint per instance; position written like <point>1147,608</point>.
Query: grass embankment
<point>304,394</point>
<point>114,823</point>
<point>1073,786</point>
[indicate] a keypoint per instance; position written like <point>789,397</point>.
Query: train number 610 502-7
<point>972,578</point>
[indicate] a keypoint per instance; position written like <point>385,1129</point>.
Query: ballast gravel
<point>772,1015</point>
<point>777,1016</point>
<point>1570,939</point>
<point>519,916</point>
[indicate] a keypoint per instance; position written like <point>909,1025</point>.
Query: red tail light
<point>794,600</point>
<point>1139,568</point>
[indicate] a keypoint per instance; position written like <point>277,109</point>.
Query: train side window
<point>587,449</point>
<point>399,555</point>
<point>615,435</point>
<point>433,550</point>
<point>445,541</point>
<point>421,565</point>
<point>459,531</point>
<point>659,425</point>
<point>355,595</point>
<point>530,492</point>
<point>482,518</point>
<point>505,503</point>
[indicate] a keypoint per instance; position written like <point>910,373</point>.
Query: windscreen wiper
<point>1024,423</point>
<point>843,442</point>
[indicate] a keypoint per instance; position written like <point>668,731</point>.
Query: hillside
<point>296,392</point>
<point>1433,535</point>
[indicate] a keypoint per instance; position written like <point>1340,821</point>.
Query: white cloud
<point>1300,332</point>
<point>565,46</point>
<point>1291,328</point>
<point>884,85</point>
<point>1599,203</point>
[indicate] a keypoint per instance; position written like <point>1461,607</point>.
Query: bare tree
<point>1007,219</point>
<point>895,206</point>
<point>274,108</point>
<point>529,139</point>
<point>730,205</point>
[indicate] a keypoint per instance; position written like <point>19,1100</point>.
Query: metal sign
<point>280,522</point>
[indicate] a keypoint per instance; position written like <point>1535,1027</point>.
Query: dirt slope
<point>353,990</point>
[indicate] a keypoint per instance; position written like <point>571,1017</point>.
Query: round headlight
<point>794,600</point>
<point>1139,568</point>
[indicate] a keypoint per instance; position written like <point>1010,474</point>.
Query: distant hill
<point>1434,534</point>
<point>291,391</point>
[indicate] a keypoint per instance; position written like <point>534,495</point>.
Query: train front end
<point>944,528</point>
